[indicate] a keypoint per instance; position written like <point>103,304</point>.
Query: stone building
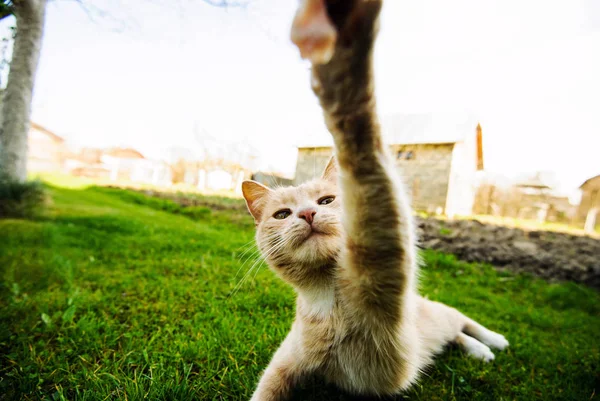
<point>438,155</point>
<point>271,180</point>
<point>589,207</point>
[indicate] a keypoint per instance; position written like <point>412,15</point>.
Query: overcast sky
<point>144,73</point>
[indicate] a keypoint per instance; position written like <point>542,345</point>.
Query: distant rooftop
<point>413,129</point>
<point>589,180</point>
<point>540,180</point>
<point>46,131</point>
<point>125,153</point>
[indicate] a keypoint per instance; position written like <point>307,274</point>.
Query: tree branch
<point>6,9</point>
<point>226,3</point>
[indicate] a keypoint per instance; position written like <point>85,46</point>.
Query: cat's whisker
<point>247,249</point>
<point>278,245</point>
<point>251,244</point>
<point>244,277</point>
<point>275,247</point>
<point>250,256</point>
<point>251,249</point>
<point>245,245</point>
<point>239,284</point>
<point>254,248</point>
<point>284,242</point>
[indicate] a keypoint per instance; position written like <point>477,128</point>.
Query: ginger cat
<point>346,241</point>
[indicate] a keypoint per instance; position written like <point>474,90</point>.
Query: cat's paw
<point>320,25</point>
<point>494,340</point>
<point>313,32</point>
<point>475,348</point>
<point>480,351</point>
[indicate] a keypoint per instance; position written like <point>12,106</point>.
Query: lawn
<point>115,295</point>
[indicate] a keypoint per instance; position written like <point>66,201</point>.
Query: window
<point>405,155</point>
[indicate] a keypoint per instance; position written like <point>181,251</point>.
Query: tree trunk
<point>16,105</point>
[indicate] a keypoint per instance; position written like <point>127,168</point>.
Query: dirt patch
<point>547,254</point>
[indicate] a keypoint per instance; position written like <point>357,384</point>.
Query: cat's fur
<point>360,322</point>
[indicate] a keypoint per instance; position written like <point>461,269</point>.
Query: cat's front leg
<point>282,373</point>
<point>378,254</point>
<point>338,38</point>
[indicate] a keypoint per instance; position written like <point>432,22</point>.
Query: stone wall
<point>426,173</point>
<point>425,170</point>
<point>311,163</point>
<point>463,179</point>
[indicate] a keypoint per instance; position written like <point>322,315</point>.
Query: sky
<point>159,75</point>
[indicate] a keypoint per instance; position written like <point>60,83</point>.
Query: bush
<point>22,199</point>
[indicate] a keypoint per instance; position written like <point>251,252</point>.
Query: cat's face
<point>298,229</point>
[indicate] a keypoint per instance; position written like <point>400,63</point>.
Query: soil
<point>547,254</point>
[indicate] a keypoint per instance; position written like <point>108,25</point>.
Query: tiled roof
<point>46,131</point>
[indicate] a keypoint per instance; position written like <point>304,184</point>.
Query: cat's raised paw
<point>313,32</point>
<point>320,25</point>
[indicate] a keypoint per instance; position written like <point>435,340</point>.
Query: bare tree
<point>15,106</point>
<point>16,103</point>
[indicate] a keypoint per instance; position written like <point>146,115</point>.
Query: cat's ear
<point>331,171</point>
<point>255,195</point>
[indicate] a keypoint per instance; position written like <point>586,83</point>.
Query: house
<point>119,164</point>
<point>589,207</point>
<point>221,175</point>
<point>535,199</point>
<point>437,155</point>
<point>47,151</point>
<point>271,180</point>
<point>130,165</point>
<point>123,163</point>
<point>86,163</point>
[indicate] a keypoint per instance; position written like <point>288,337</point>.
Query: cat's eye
<point>282,214</point>
<point>326,200</point>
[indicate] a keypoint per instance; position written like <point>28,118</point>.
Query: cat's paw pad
<point>313,32</point>
<point>495,340</point>
<point>320,24</point>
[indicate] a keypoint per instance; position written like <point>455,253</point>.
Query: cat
<point>346,241</point>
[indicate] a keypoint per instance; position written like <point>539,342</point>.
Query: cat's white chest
<point>318,303</point>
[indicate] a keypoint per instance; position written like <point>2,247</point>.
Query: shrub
<point>22,199</point>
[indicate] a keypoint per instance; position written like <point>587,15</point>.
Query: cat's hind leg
<point>486,336</point>
<point>440,325</point>
<point>474,348</point>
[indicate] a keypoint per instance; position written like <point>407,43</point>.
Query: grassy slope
<point>110,299</point>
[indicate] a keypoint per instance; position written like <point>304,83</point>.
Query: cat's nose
<point>307,214</point>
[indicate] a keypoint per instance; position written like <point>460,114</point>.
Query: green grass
<point>113,296</point>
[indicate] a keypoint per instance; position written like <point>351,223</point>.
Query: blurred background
<point>490,108</point>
